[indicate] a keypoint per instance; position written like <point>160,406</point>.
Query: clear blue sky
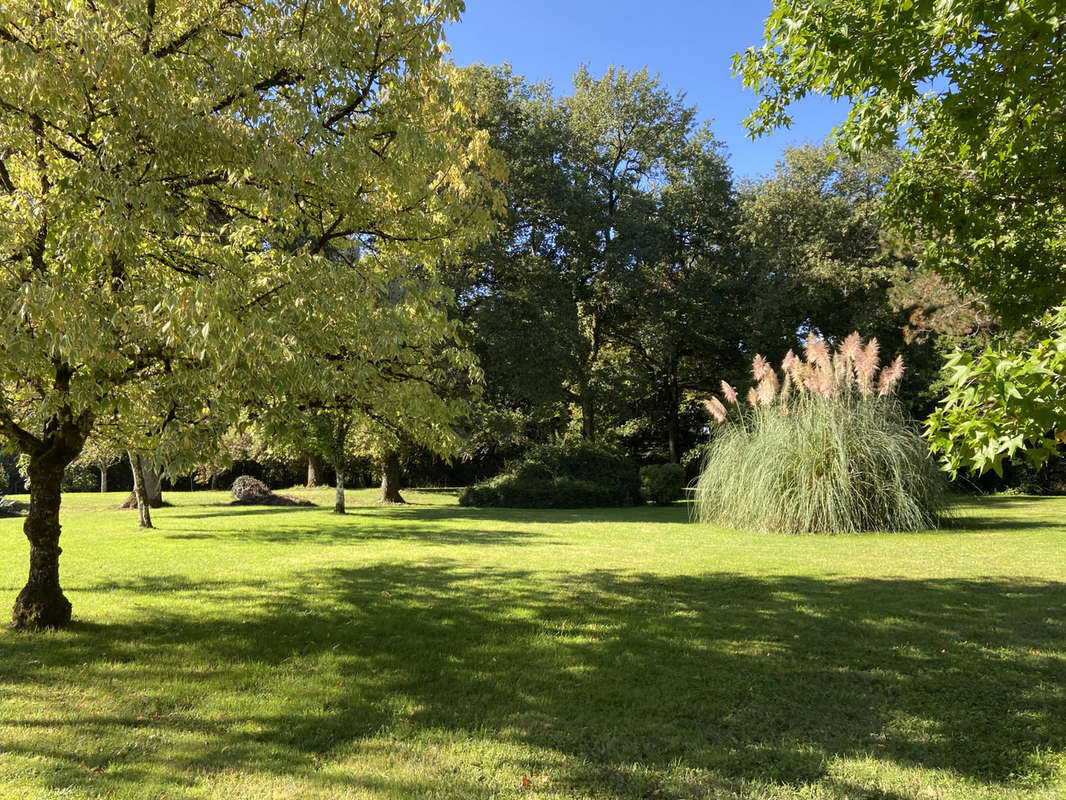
<point>690,43</point>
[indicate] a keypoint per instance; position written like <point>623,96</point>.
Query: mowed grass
<point>437,652</point>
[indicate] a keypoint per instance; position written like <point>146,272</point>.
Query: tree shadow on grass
<point>396,531</point>
<point>638,680</point>
<point>432,512</point>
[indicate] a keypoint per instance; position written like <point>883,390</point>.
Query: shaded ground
<point>433,651</point>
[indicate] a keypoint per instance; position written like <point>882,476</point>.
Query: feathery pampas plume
<point>715,409</point>
<point>817,452</point>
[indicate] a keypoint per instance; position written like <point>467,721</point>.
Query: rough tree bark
<point>391,475</point>
<point>588,416</point>
<point>314,472</point>
<point>140,491</point>
<point>338,506</point>
<point>41,603</point>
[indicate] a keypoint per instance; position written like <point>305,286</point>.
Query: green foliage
<point>175,182</point>
<point>570,473</point>
<point>80,478</point>
<point>815,232</point>
<point>1002,402</point>
<point>829,452</point>
<point>618,234</point>
<point>976,87</point>
<point>662,484</point>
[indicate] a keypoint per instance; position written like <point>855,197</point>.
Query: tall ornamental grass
<point>822,448</point>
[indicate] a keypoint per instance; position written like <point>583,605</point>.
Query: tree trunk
<point>103,479</point>
<point>140,491</point>
<point>390,479</point>
<point>673,423</point>
<point>41,604</point>
<point>588,416</point>
<point>314,472</point>
<point>338,506</point>
<point>153,486</point>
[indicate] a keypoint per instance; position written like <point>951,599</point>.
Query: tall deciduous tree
<point>556,285</point>
<point>160,159</point>
<point>817,241</point>
<point>627,132</point>
<point>684,319</point>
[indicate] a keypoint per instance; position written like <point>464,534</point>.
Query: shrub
<point>565,474</point>
<point>248,489</point>
<point>825,449</point>
<point>79,478</point>
<point>662,483</point>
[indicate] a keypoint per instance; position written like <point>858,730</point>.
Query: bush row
<point>576,474</point>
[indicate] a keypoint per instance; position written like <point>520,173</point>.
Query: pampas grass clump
<point>825,448</point>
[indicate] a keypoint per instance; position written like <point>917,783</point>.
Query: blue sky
<point>688,42</point>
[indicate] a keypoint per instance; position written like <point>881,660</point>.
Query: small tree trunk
<point>338,506</point>
<point>41,604</point>
<point>213,483</point>
<point>673,423</point>
<point>153,487</point>
<point>103,479</point>
<point>314,472</point>
<point>140,491</point>
<point>588,415</point>
<point>390,479</point>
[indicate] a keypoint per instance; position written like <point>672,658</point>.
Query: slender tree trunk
<point>314,471</point>
<point>153,486</point>
<point>673,423</point>
<point>140,491</point>
<point>588,416</point>
<point>391,475</point>
<point>340,438</point>
<point>338,505</point>
<point>41,604</point>
<point>103,479</point>
<point>213,483</point>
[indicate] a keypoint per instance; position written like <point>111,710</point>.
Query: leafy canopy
<point>1004,401</point>
<point>976,89</point>
<point>173,176</point>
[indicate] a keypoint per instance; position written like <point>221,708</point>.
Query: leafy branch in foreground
<point>824,448</point>
<point>1003,401</point>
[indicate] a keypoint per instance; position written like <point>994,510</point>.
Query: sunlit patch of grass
<point>434,651</point>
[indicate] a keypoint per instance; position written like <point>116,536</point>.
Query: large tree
<point>171,175</point>
<point>586,239</point>
<point>684,316</point>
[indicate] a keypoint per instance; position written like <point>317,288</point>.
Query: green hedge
<point>567,474</point>
<point>662,483</point>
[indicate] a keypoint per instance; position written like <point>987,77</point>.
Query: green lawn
<point>433,651</point>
